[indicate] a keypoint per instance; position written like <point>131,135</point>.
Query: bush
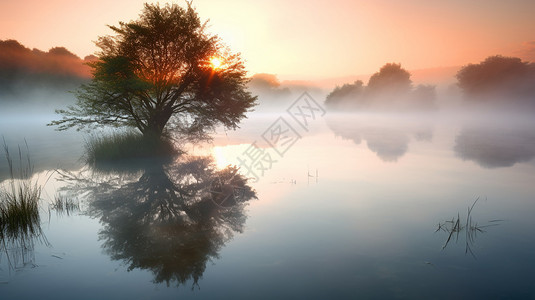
<point>124,146</point>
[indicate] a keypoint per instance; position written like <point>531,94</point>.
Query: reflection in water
<point>18,250</point>
<point>467,227</point>
<point>387,138</point>
<point>64,205</point>
<point>20,221</point>
<point>494,145</point>
<point>20,229</point>
<point>172,219</point>
<point>389,144</point>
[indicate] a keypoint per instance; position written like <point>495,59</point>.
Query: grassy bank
<point>127,145</point>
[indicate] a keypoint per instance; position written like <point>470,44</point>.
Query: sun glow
<point>216,62</point>
<point>220,157</point>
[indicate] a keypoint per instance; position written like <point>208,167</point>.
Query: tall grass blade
<point>20,223</point>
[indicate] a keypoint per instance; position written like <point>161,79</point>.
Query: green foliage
<point>155,75</point>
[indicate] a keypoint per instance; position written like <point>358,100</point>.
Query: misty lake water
<point>359,206</point>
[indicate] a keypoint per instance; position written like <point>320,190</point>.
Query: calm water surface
<point>357,207</point>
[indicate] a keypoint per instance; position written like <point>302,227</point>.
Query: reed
<point>455,227</point>
<point>64,205</point>
<point>20,222</point>
<point>125,145</point>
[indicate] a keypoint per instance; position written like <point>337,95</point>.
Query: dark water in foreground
<point>356,207</point>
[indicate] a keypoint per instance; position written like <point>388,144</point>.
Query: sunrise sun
<point>216,62</point>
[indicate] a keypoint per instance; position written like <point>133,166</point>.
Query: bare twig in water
<point>471,229</point>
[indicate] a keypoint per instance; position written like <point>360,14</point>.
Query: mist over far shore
<point>42,81</point>
<point>38,80</point>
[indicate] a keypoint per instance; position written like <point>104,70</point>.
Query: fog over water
<point>376,196</point>
<point>357,200</point>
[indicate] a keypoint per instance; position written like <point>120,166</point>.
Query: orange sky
<point>305,39</point>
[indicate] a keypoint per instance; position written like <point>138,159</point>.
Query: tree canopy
<point>498,76</point>
<point>162,72</point>
<point>391,78</point>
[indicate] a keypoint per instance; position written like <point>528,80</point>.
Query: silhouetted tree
<point>159,72</point>
<point>391,78</point>
<point>346,95</point>
<point>497,76</point>
<point>390,88</point>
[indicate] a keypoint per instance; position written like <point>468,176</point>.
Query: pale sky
<point>305,39</point>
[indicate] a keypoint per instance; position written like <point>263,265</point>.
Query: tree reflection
<point>173,219</point>
<point>495,145</point>
<point>388,138</point>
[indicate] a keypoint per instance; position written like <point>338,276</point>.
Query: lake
<point>345,206</point>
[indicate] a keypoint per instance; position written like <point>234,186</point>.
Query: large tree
<point>162,72</point>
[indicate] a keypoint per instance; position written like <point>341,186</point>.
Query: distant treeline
<point>390,88</point>
<point>23,70</point>
<point>274,95</point>
<point>496,80</point>
<point>268,85</point>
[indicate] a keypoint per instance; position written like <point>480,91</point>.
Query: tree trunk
<point>156,125</point>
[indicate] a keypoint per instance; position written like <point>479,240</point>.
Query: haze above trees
<point>25,73</point>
